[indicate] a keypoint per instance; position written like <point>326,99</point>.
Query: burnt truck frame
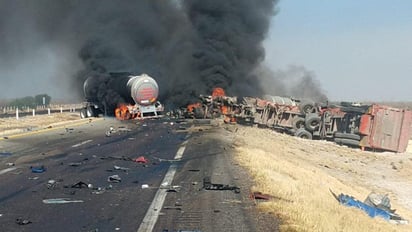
<point>139,93</point>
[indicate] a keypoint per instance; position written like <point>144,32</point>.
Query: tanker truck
<point>123,95</point>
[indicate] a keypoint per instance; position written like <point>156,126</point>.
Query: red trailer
<point>385,128</point>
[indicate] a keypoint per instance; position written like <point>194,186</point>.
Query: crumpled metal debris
<point>208,185</point>
<point>21,221</point>
<point>114,179</point>
<point>370,208</point>
<point>40,169</point>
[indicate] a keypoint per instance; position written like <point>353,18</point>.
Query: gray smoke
<point>188,46</point>
<point>295,81</point>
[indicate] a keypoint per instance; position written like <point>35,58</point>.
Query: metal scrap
<point>114,179</point>
<point>22,222</point>
<point>208,185</point>
<point>40,169</point>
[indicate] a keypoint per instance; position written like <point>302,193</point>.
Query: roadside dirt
<point>11,125</point>
<point>295,169</point>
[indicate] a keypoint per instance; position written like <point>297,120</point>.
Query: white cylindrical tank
<point>143,89</point>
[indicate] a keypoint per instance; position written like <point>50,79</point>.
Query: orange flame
<point>122,112</point>
<point>218,92</point>
<point>191,107</point>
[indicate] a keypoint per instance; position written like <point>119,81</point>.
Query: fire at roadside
<point>373,127</point>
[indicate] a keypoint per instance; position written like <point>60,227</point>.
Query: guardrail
<point>11,111</point>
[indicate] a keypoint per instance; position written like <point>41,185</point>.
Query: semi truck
<point>134,96</point>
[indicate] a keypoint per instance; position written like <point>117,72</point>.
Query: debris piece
<point>116,158</point>
<point>61,201</point>
<point>120,168</point>
<point>22,222</point>
<point>114,179</point>
<point>79,185</point>
<point>33,178</point>
<point>144,186</point>
<point>75,164</point>
<point>10,164</point>
<point>172,207</point>
<point>260,196</point>
<point>208,185</point>
<point>101,190</point>
<point>51,184</point>
<point>141,159</point>
<point>40,169</point>
<point>194,170</point>
<point>5,154</point>
<point>373,211</point>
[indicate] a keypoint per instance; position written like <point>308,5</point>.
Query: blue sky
<point>359,50</point>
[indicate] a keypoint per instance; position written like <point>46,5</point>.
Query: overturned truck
<point>374,127</point>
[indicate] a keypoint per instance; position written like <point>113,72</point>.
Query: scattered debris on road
<point>114,179</point>
<point>5,154</point>
<point>120,168</point>
<point>208,185</point>
<point>141,160</point>
<point>40,169</point>
<point>22,222</point>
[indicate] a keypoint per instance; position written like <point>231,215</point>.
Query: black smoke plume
<point>188,46</point>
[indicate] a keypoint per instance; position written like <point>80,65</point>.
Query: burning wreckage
<point>136,96</point>
<point>374,127</point>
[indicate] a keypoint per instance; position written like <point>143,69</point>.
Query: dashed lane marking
<point>82,143</point>
<point>7,170</point>
<point>152,213</point>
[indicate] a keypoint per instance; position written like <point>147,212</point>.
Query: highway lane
<point>85,153</point>
<point>181,154</point>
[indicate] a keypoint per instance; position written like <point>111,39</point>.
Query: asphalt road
<point>164,194</point>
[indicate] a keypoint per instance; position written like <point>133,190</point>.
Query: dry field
<point>27,123</point>
<point>299,173</point>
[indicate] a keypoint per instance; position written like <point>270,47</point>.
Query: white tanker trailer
<point>136,96</point>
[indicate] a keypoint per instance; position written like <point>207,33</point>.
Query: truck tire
<point>347,136</point>
<point>298,122</point>
<point>89,112</point>
<point>304,134</point>
<point>348,142</point>
<point>83,113</point>
<point>307,107</point>
<point>312,122</point>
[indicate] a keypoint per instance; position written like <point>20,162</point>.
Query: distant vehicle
<point>138,97</point>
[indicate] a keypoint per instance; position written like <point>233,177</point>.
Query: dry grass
<point>35,122</point>
<point>299,173</point>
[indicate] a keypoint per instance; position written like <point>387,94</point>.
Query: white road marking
<point>82,143</point>
<point>152,214</point>
<point>7,170</point>
<point>179,153</point>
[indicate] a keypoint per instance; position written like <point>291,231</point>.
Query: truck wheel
<point>312,122</point>
<point>307,107</point>
<point>347,136</point>
<point>304,134</point>
<point>298,122</point>
<point>89,112</point>
<point>83,113</point>
<point>348,142</point>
